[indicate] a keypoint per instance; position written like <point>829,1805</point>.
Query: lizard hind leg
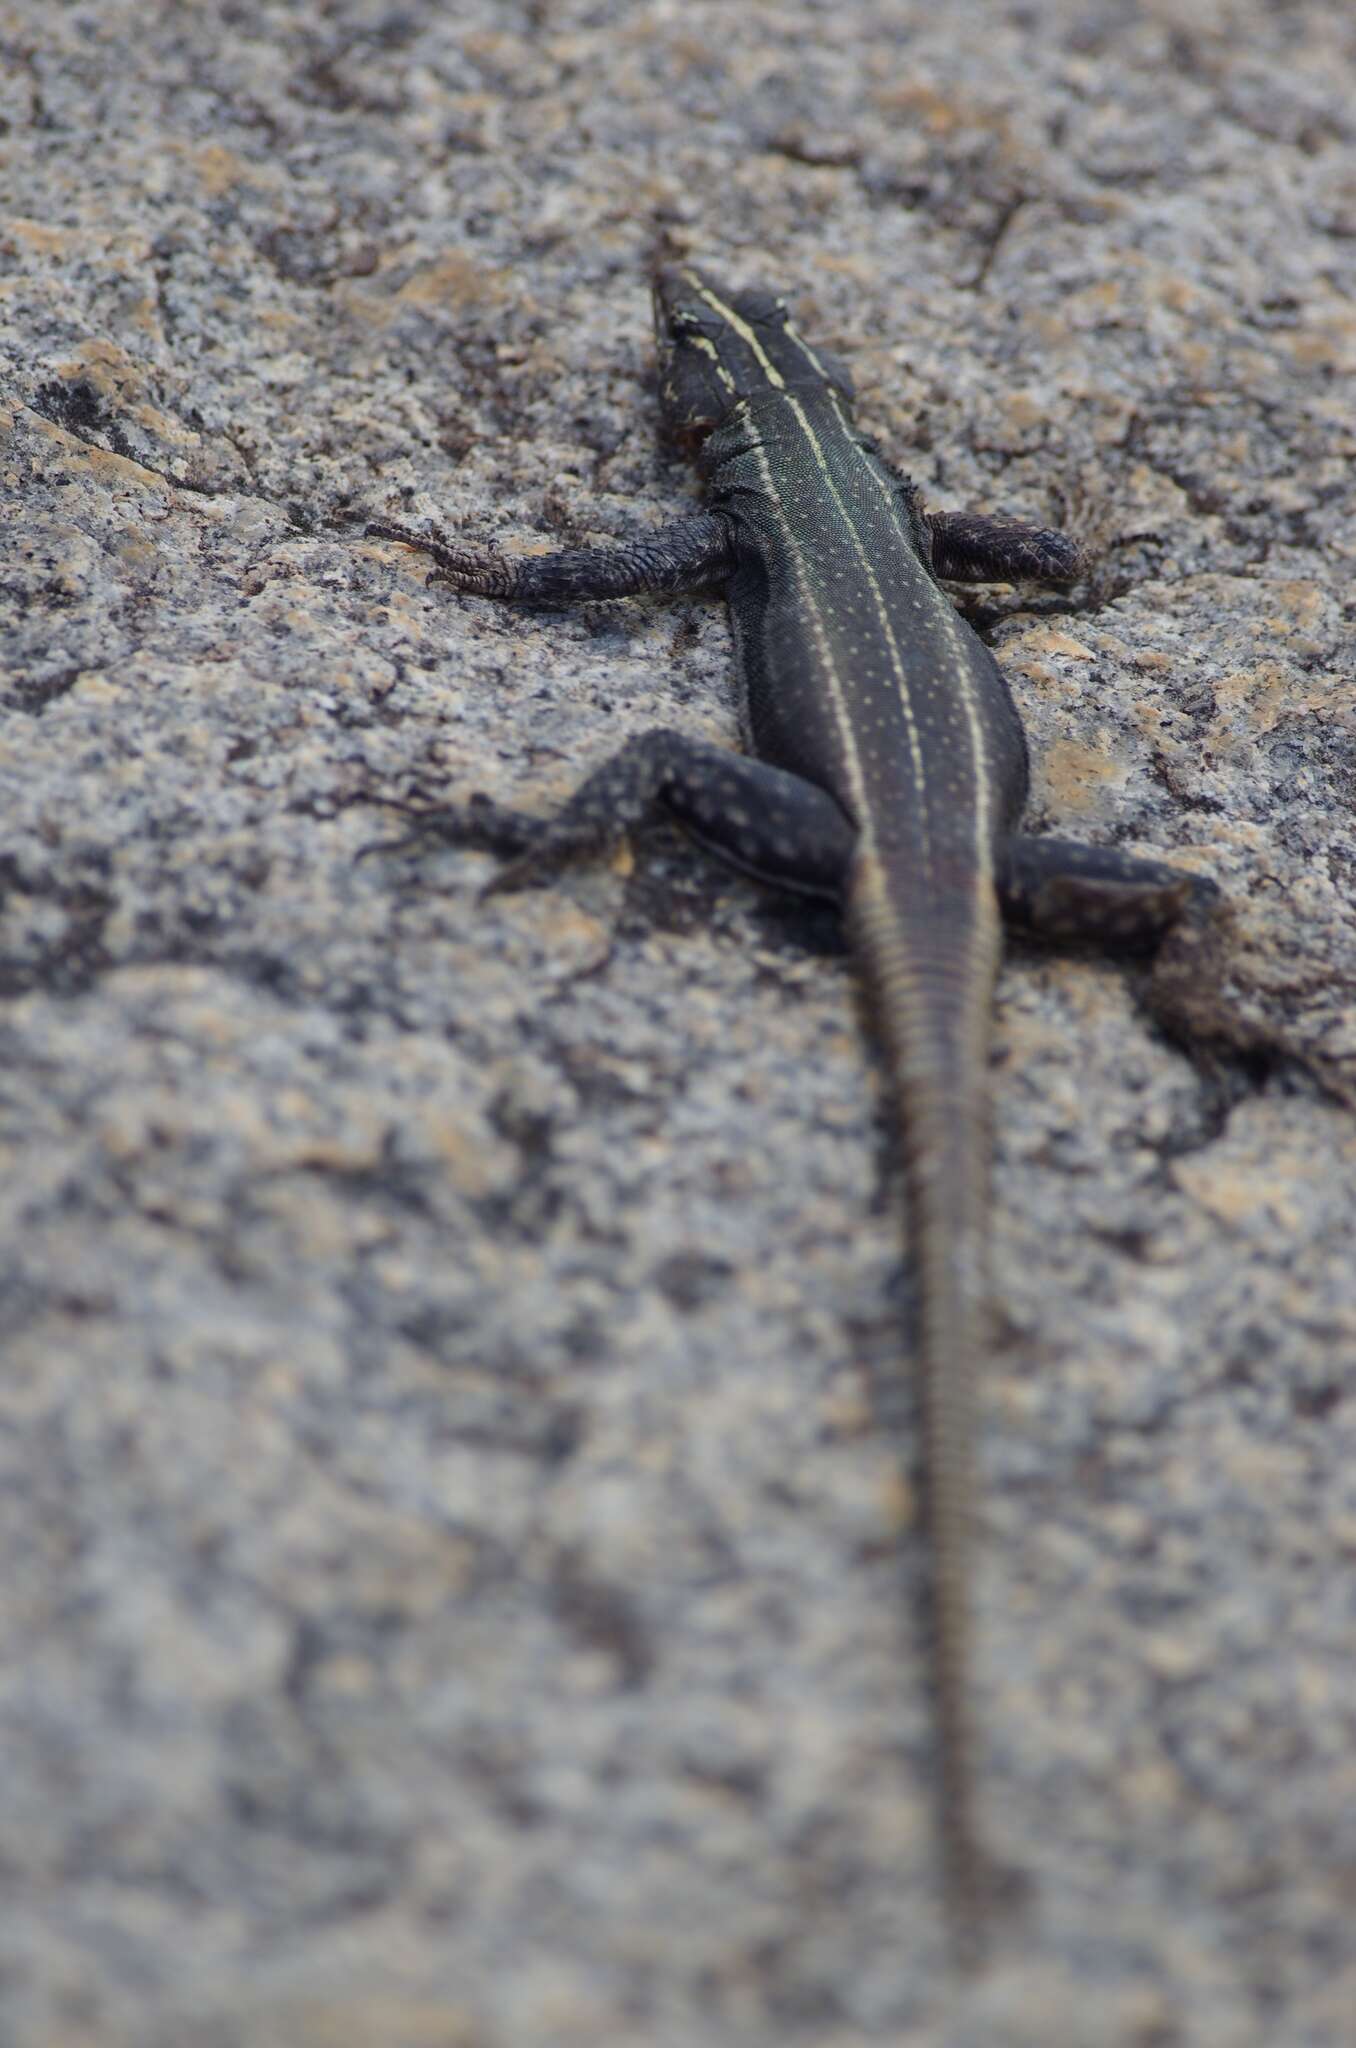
<point>1203,990</point>
<point>1061,889</point>
<point>753,817</point>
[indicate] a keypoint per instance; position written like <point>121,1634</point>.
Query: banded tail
<point>931,966</point>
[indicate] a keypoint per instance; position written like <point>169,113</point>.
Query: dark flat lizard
<point>887,770</point>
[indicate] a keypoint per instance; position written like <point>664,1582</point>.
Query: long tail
<point>931,967</point>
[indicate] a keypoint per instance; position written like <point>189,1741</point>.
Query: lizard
<point>885,769</point>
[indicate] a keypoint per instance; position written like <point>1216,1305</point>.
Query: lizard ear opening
<point>689,408</point>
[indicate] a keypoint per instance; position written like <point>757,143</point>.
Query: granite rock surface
<point>459,1500</point>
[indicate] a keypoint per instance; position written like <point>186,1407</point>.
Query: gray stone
<point>461,1559</point>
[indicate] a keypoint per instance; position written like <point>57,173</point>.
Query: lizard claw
<point>553,846</point>
<point>482,823</point>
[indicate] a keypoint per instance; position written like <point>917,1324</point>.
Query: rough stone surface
<point>458,1493</point>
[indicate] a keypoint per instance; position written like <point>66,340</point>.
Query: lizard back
<point>858,672</point>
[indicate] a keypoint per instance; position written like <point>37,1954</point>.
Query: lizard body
<point>887,770</point>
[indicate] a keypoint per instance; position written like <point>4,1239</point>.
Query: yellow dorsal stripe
<point>882,610</point>
<point>961,682</point>
<point>837,699</point>
<point>738,325</point>
<point>959,664</point>
<point>842,717</point>
<point>742,328</point>
<point>960,667</point>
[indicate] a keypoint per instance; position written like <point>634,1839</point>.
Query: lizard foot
<point>1202,995</point>
<point>483,824</point>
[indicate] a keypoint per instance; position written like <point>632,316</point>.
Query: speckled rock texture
<point>461,1561</point>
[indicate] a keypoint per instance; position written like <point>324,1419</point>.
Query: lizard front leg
<point>691,554</point>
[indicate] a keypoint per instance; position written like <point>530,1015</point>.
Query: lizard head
<point>718,349</point>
